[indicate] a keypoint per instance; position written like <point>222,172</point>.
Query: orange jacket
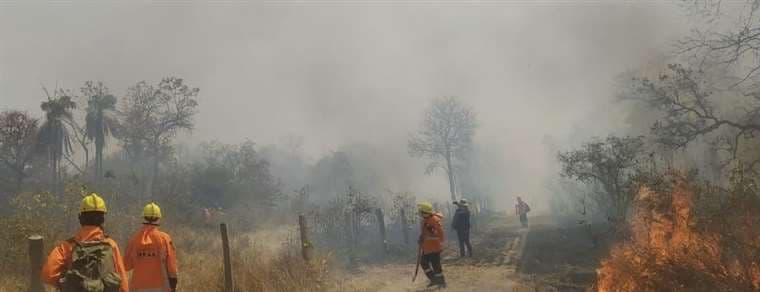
<point>151,258</point>
<point>431,234</point>
<point>60,257</point>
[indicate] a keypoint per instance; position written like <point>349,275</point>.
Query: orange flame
<point>668,252</point>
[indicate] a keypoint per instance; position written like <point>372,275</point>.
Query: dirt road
<point>498,245</point>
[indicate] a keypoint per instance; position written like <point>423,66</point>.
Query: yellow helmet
<point>152,210</point>
<point>92,203</point>
<point>425,207</point>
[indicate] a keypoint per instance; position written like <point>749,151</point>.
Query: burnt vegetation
<point>682,197</point>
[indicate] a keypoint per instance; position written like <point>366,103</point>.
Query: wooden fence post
<point>405,226</point>
<point>306,246</point>
<point>381,225</point>
<point>228,284</point>
<point>35,259</point>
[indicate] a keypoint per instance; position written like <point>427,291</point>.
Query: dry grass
<point>12,282</point>
<point>258,265</point>
<point>264,261</point>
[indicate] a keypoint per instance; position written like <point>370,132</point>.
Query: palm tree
<point>54,134</point>
<point>101,122</point>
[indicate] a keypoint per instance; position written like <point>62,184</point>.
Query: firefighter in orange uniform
<point>151,256</point>
<point>431,242</point>
<point>88,259</point>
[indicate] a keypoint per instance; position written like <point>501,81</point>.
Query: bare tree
<point>713,96</point>
<point>152,118</point>
<point>18,143</point>
<point>445,137</point>
<point>692,110</point>
<point>734,47</point>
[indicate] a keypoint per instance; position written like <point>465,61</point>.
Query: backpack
<point>92,268</point>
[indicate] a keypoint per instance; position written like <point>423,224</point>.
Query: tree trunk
<point>153,171</point>
<point>19,177</point>
<point>151,177</point>
<point>86,160</point>
<point>86,169</point>
<point>61,183</point>
<point>450,172</point>
<point>19,182</point>
<point>381,226</point>
<point>404,226</point>
<point>53,173</point>
<point>98,161</point>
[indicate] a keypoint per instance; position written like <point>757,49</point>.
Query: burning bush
<point>688,237</point>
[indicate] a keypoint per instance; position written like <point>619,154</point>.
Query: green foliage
<point>613,164</point>
<point>233,175</point>
<point>151,117</point>
<point>18,151</point>
<point>31,213</point>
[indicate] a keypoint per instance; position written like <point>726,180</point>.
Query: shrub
<point>678,245</point>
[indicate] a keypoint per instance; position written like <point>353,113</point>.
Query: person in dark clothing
<point>461,224</point>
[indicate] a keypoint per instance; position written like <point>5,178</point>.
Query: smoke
<point>341,74</point>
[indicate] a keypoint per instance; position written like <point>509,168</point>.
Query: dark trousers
<point>524,220</point>
<point>431,264</point>
<point>464,242</point>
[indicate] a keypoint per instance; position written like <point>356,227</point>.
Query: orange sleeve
<point>171,257</point>
<point>129,256</point>
<point>120,267</point>
<point>55,265</point>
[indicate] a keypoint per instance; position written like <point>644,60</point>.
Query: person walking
<point>461,224</point>
<point>151,256</point>
<point>431,243</point>
<point>90,260</point>
<point>522,209</point>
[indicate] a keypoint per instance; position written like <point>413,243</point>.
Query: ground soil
<point>543,257</point>
<point>563,257</point>
<point>492,267</point>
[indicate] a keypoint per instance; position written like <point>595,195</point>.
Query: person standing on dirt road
<point>461,224</point>
<point>89,261</point>
<point>431,244</point>
<point>522,209</point>
<point>151,256</point>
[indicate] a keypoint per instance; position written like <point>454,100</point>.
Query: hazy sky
<point>338,73</point>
